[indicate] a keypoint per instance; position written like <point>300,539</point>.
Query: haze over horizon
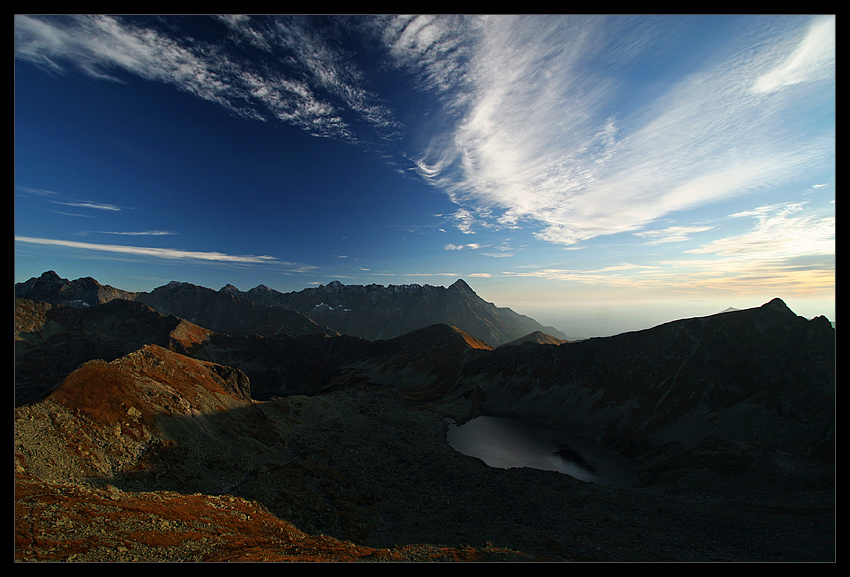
<point>598,173</point>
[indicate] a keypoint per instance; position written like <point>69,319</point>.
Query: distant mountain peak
<point>50,287</point>
<point>462,286</point>
<point>538,337</point>
<point>778,306</point>
<point>444,334</point>
<point>777,303</point>
<point>50,274</point>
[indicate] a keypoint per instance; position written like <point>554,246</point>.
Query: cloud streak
<point>138,233</point>
<point>92,205</point>
<point>163,253</point>
<point>778,230</point>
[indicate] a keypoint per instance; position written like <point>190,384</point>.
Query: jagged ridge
<point>380,312</point>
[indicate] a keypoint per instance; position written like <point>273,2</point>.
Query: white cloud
<point>812,59</point>
<point>35,191</point>
<point>777,234</point>
<point>93,205</point>
<point>140,233</point>
<point>671,234</point>
<point>306,82</point>
<point>542,137</point>
<point>789,250</point>
<point>165,253</point>
<point>533,120</point>
<point>464,220</point>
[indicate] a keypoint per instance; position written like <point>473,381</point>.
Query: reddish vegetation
<point>106,391</point>
<point>472,342</point>
<point>71,521</point>
<point>187,334</point>
<point>203,528</point>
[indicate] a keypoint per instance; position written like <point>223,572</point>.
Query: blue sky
<point>599,173</point>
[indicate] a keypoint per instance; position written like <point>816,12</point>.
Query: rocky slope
<point>143,458</point>
<point>165,440</point>
<point>364,475</point>
<point>53,340</point>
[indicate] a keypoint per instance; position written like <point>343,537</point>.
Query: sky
<point>600,173</point>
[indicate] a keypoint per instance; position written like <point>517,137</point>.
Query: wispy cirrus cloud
<point>306,80</point>
<point>671,233</point>
<point>532,121</point>
<point>92,205</point>
<point>132,233</point>
<point>29,190</point>
<point>786,251</point>
<point>468,246</point>
<point>163,253</point>
<point>780,231</point>
<point>540,137</point>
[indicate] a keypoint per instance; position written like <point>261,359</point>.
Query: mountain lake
<point>505,443</point>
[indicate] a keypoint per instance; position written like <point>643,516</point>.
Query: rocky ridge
<point>381,312</point>
<point>731,416</point>
<point>82,292</point>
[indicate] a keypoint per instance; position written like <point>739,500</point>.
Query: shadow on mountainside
<point>366,459</point>
<point>375,469</point>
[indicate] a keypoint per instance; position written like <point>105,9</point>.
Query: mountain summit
<point>460,286</point>
<point>382,312</point>
<point>83,292</point>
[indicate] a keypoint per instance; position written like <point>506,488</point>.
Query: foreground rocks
<point>367,475</point>
<point>72,522</point>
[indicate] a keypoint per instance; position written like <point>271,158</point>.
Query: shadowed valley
<point>193,424</point>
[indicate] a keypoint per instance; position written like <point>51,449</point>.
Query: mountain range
<point>380,312</point>
<point>281,399</point>
<point>368,311</point>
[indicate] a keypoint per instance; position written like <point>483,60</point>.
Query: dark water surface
<point>505,443</point>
